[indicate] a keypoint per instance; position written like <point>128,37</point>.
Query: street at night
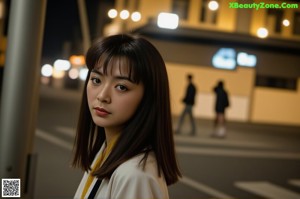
<point>253,161</point>
<point>231,67</point>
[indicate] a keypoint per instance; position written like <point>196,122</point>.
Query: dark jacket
<point>222,101</point>
<point>189,98</point>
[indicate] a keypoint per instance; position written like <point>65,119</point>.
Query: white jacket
<point>130,181</point>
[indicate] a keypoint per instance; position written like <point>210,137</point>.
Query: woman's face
<point>113,98</point>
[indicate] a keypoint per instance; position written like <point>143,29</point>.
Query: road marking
<point>295,182</point>
<point>204,188</point>
<point>54,140</point>
<point>180,149</point>
<point>71,132</point>
<point>223,142</point>
<point>237,153</point>
<point>267,190</point>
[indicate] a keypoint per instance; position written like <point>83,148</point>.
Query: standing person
<point>221,104</point>
<point>189,101</point>
<point>124,139</point>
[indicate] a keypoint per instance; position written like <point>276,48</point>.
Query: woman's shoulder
<point>132,180</point>
<point>134,167</point>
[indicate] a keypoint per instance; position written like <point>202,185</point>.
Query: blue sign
<point>227,58</point>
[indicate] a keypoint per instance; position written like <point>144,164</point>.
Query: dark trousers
<point>187,111</point>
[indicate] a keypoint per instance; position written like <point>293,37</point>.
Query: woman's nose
<point>104,95</point>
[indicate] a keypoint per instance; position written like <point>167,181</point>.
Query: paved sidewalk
<point>244,134</point>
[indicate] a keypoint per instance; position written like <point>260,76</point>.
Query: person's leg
<point>221,130</point>
<point>221,119</point>
<point>216,120</point>
<point>180,121</point>
<point>192,120</point>
<point>217,125</point>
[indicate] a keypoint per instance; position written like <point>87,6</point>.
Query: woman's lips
<point>101,112</point>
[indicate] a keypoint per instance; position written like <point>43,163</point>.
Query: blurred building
<point>255,51</point>
<point>221,41</point>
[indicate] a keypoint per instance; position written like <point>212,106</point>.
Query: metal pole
<point>20,96</point>
<point>85,30</point>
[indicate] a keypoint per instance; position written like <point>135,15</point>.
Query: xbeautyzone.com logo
<point>263,5</point>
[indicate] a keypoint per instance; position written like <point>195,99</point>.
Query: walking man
<point>189,101</point>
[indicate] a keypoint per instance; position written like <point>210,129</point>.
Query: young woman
<point>221,104</point>
<point>124,140</point>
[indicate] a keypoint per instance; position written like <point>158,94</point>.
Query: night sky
<point>62,24</point>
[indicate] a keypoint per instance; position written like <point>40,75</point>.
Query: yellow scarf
<point>100,160</point>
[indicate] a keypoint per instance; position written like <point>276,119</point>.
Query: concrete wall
<point>276,106</point>
<point>247,102</point>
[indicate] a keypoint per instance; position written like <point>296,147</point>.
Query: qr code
<point>11,187</point>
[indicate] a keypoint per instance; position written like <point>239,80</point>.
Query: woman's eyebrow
<point>122,78</point>
<point>96,71</point>
<point>119,77</point>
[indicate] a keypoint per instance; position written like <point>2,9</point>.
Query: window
<point>274,20</point>
<point>276,82</point>
<point>181,7</point>
<point>207,15</point>
<point>296,28</point>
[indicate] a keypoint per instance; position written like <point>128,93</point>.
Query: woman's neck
<point>110,134</point>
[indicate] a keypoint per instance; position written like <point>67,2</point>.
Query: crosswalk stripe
<point>295,182</point>
<point>224,142</point>
<point>66,131</point>
<point>267,190</point>
<point>52,139</point>
<point>204,188</point>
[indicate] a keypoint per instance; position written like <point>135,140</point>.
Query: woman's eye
<point>96,80</point>
<point>122,88</point>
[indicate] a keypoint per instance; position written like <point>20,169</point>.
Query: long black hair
<point>149,129</point>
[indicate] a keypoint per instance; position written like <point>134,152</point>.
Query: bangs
<point>126,53</point>
<point>127,66</point>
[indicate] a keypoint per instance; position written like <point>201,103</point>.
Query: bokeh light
<point>124,14</point>
<point>286,22</point>
<point>112,13</point>
<point>47,70</point>
<point>136,16</point>
<point>213,5</point>
<point>262,32</point>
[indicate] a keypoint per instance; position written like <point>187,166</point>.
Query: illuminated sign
<point>244,59</point>
<point>227,58</point>
<point>167,20</point>
<point>224,58</point>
